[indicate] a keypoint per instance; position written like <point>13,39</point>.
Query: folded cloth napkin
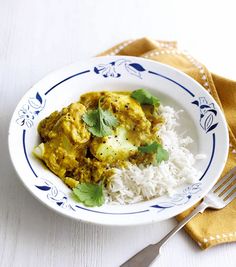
<point>213,226</point>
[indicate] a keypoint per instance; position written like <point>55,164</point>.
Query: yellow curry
<point>85,141</point>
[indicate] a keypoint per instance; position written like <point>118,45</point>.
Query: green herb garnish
<point>161,153</point>
<point>99,121</point>
<point>144,97</point>
<point>90,195</point>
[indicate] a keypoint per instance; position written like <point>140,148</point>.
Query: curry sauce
<point>71,150</point>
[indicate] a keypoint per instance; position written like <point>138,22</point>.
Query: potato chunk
<point>114,147</point>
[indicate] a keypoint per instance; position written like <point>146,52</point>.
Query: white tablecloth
<point>37,37</point>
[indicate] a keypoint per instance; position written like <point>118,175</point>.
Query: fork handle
<point>199,209</point>
<point>147,256</point>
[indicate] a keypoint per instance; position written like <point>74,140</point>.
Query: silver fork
<point>220,195</point>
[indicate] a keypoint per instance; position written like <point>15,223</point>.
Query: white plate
<point>203,121</point>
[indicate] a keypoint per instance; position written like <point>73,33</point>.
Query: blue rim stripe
<point>169,79</point>
<point>26,156</point>
<point>212,155</point>
<point>72,76</point>
<point>110,213</point>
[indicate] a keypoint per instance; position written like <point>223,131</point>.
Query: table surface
<point>37,37</point>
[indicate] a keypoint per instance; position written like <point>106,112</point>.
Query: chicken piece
<point>46,125</point>
<point>90,100</point>
<point>66,138</point>
<point>68,121</point>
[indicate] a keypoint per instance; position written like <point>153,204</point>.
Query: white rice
<point>137,183</point>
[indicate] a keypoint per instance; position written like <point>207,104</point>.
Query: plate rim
<point>89,62</point>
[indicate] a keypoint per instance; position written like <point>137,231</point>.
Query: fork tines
<point>225,188</point>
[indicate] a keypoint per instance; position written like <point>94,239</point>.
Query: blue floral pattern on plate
<point>179,199</point>
<point>54,195</point>
<point>208,114</point>
<point>113,68</point>
<point>27,113</point>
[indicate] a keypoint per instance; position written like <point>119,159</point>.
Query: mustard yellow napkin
<point>212,227</point>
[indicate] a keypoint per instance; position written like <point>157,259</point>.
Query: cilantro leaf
<point>144,97</point>
<point>152,148</point>
<point>161,153</point>
<point>108,118</point>
<point>100,122</point>
<point>90,195</point>
<point>90,117</point>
